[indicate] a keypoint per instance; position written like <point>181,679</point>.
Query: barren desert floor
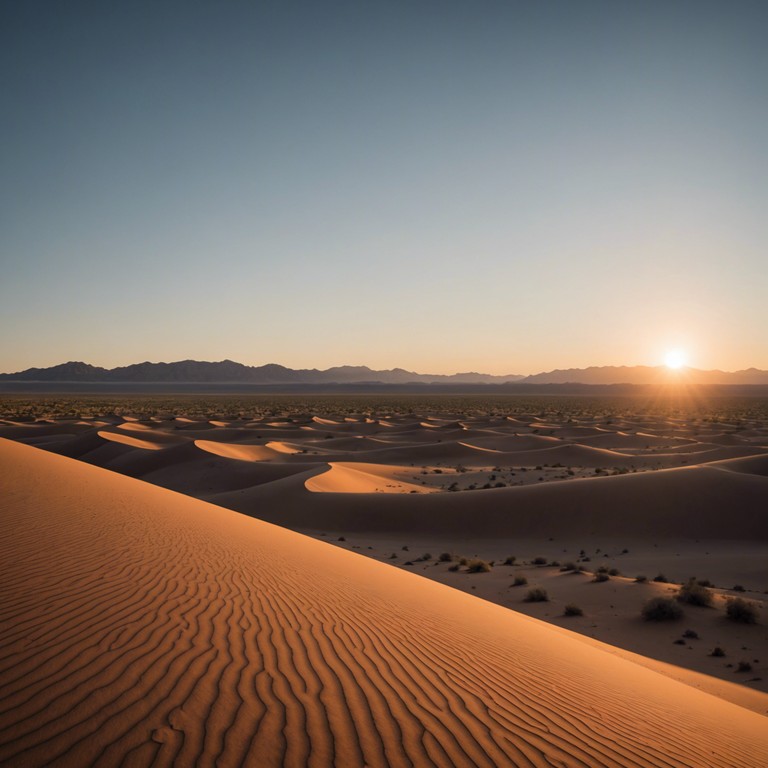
<point>142,626</point>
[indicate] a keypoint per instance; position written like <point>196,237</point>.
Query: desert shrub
<point>569,566</point>
<point>536,595</point>
<point>454,567</point>
<point>742,611</point>
<point>463,561</point>
<point>692,634</point>
<point>572,610</point>
<point>662,609</point>
<point>445,557</point>
<point>520,581</point>
<point>694,594</point>
<point>738,588</point>
<point>660,577</point>
<point>341,538</point>
<point>743,666</point>
<point>602,569</point>
<point>393,556</point>
<point>539,560</point>
<point>510,560</point>
<point>641,579</point>
<point>614,572</point>
<point>478,566</point>
<point>426,556</point>
<point>718,652</point>
<point>601,576</point>
<point>704,583</point>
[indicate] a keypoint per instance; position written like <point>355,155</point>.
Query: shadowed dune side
<point>702,501</point>
<point>142,627</point>
<point>751,465</point>
<point>620,440</point>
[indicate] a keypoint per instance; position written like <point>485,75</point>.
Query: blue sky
<point>498,186</point>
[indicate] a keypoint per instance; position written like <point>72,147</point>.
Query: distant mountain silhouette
<point>227,371</point>
<point>643,375</point>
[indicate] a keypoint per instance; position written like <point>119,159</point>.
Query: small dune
<point>364,478</point>
<point>241,452</point>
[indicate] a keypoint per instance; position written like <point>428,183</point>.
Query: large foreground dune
<point>143,627</point>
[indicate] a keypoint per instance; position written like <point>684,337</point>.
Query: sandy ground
<point>640,495</point>
<point>144,627</point>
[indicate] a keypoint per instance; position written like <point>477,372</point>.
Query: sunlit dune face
<point>675,359</point>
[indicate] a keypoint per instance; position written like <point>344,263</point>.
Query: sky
<point>498,186</point>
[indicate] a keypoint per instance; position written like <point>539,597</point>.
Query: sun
<point>675,359</point>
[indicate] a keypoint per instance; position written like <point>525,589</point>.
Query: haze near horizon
<point>499,187</point>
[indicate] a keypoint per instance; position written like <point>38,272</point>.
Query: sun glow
<point>675,359</point>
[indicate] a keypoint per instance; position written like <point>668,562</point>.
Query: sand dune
<point>241,452</point>
<point>133,442</point>
<point>621,440</point>
<point>750,465</point>
<point>356,477</point>
<point>512,443</point>
<point>142,627</point>
<point>652,505</point>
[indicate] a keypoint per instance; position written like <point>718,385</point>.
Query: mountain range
<point>227,371</point>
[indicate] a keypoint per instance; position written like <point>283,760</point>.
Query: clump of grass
<point>661,578</point>
<point>742,611</point>
<point>601,576</point>
<point>539,560</point>
<point>341,538</point>
<point>662,609</point>
<point>478,566</point>
<point>738,588</point>
<point>692,634</point>
<point>463,561</point>
<point>743,666</point>
<point>694,594</point>
<point>641,579</point>
<point>569,566</point>
<point>572,610</point>
<point>520,581</point>
<point>510,560</point>
<point>717,652</point>
<point>536,595</point>
<point>445,557</point>
<point>454,567</point>
<point>614,572</point>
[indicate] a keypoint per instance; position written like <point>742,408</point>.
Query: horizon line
<point>662,366</point>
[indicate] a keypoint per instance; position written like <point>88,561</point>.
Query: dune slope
<point>141,627</point>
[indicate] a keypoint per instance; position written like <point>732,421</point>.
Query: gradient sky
<point>508,187</point>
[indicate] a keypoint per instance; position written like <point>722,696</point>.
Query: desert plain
<point>375,581</point>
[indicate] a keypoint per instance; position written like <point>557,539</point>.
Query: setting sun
<point>675,359</point>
